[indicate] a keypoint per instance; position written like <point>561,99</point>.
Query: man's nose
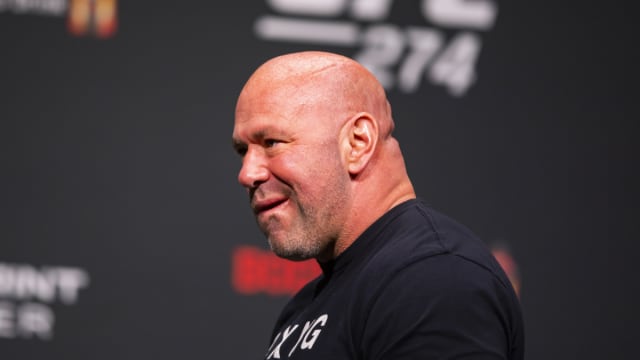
<point>254,169</point>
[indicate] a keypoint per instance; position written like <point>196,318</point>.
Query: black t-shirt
<point>414,285</point>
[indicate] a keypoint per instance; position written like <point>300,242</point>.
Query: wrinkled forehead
<point>264,112</point>
<point>275,102</point>
<point>291,98</point>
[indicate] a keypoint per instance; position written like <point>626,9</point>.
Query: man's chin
<point>291,254</point>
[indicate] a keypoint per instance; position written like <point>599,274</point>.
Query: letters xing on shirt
<point>306,338</point>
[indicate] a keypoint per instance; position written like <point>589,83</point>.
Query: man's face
<point>292,169</point>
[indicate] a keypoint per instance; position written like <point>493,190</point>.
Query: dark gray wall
<point>120,212</point>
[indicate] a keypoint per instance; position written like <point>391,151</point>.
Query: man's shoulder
<point>421,239</point>
<point>416,229</point>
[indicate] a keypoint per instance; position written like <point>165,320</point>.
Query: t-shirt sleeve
<point>442,307</point>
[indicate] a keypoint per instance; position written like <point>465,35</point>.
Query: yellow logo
<point>93,18</point>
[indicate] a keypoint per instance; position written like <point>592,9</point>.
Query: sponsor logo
<point>27,293</point>
<point>256,271</point>
<point>36,7</point>
<point>92,17</point>
<point>95,18</point>
<point>509,265</point>
<point>401,56</point>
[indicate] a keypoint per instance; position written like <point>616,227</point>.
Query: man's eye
<point>270,142</point>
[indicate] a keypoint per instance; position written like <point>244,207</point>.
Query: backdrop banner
<point>125,235</point>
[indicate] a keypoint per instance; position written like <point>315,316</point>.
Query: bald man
<point>327,181</point>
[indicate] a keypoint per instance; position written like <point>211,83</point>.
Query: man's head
<point>318,159</point>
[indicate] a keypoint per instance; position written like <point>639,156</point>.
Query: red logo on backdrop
<point>256,271</point>
<point>93,17</point>
<point>508,264</point>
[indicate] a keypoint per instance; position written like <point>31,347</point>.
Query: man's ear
<point>361,138</point>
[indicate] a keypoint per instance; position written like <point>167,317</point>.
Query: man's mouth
<point>263,206</point>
